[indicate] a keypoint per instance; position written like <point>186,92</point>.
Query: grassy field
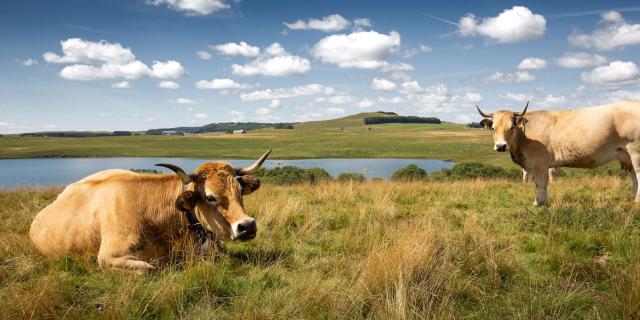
<point>383,250</point>
<point>340,138</point>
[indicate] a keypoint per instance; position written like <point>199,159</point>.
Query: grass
<point>384,250</point>
<point>339,138</point>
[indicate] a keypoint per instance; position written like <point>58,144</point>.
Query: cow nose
<point>246,230</point>
<point>500,147</point>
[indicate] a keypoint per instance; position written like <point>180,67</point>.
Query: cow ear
<point>186,201</point>
<point>249,183</point>
<point>486,123</point>
<point>521,121</point>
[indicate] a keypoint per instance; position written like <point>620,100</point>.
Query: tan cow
<point>552,172</point>
<point>581,138</point>
<point>131,220</point>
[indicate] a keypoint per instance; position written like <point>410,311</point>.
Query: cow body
<point>132,220</point>
<point>581,138</point>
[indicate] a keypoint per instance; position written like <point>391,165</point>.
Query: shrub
<point>153,171</point>
<point>475,170</point>
<point>351,177</point>
<point>293,175</point>
<point>400,119</point>
<point>409,173</point>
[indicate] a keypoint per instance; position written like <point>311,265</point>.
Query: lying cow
<point>582,138</point>
<point>131,219</point>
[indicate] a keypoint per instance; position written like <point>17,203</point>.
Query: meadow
<point>473,249</point>
<point>346,137</point>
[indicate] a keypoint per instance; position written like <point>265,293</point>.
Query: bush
<point>409,173</point>
<point>293,175</point>
<point>476,170</point>
<point>153,171</point>
<point>400,119</point>
<point>351,177</point>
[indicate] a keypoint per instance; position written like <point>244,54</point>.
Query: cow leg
<point>626,163</point>
<point>524,175</point>
<point>635,175</point>
<point>541,178</point>
<point>553,171</point>
<point>111,256</point>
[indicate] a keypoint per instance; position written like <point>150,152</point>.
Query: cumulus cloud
<point>410,87</point>
<point>121,85</point>
<point>360,49</point>
<point>204,55</point>
<point>330,23</point>
<point>517,77</point>
<point>335,99</point>
<point>105,60</point>
<point>613,33</point>
<point>616,72</point>
<point>334,110</point>
<point>286,93</point>
<point>365,103</point>
<point>440,98</point>
<point>193,7</point>
<point>201,115</point>
<point>361,23</point>
<point>184,101</point>
<point>168,85</point>
<point>29,62</point>
<point>580,60</point>
<point>221,84</point>
<point>392,100</point>
<point>415,51</point>
<point>519,97</point>
<point>236,116</point>
<point>532,64</point>
<point>382,84</point>
<point>274,62</point>
<point>512,25</point>
<point>237,49</point>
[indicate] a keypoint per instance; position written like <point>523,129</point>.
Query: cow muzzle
<point>245,230</point>
<point>500,146</point>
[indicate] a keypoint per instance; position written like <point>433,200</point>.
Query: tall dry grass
<point>380,250</point>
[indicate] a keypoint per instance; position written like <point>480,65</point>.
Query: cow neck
<point>514,147</point>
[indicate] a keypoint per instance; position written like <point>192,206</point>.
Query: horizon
<point>136,65</point>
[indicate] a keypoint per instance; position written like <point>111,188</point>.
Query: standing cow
<point>582,138</point>
<point>130,219</point>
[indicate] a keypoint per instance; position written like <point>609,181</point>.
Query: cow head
<point>215,193</point>
<point>504,124</point>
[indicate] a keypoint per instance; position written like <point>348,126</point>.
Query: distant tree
<point>121,133</point>
<point>475,125</point>
<point>400,119</point>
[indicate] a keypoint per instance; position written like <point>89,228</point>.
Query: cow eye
<point>211,199</point>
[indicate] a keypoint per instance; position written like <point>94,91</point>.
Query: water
<point>62,171</point>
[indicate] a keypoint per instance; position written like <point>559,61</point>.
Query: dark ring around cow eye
<point>211,198</point>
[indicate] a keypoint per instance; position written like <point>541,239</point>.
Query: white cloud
<point>237,49</point>
<point>221,84</point>
<point>392,100</point>
<point>334,110</point>
<point>365,103</point>
<point>274,104</point>
<point>193,7</point>
<point>330,23</point>
<point>121,85</point>
<point>517,77</point>
<point>410,87</point>
<point>440,98</point>
<point>417,50</point>
<point>512,25</point>
<point>168,85</point>
<point>184,101</point>
<point>263,111</point>
<point>104,114</point>
<point>613,33</point>
<point>236,116</point>
<point>336,99</point>
<point>275,62</point>
<point>201,116</point>
<point>29,62</point>
<point>580,60</point>
<point>519,97</point>
<point>553,101</point>
<point>472,97</point>
<point>382,84</point>
<point>616,72</point>
<point>532,64</point>
<point>105,60</point>
<point>361,23</point>
<point>204,55</point>
<point>360,49</point>
<point>286,93</point>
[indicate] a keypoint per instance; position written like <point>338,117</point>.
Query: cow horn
<point>519,114</point>
<point>184,177</point>
<point>489,115</point>
<point>255,166</point>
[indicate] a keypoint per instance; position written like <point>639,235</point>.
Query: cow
<point>131,220</point>
<point>580,138</point>
<point>552,172</point>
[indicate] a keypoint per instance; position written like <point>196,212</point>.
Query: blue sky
<point>137,64</point>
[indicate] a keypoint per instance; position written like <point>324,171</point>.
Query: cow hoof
<point>537,204</point>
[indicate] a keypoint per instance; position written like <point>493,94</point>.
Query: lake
<point>61,171</point>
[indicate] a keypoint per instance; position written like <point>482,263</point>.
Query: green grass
<point>472,249</point>
<point>340,138</point>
